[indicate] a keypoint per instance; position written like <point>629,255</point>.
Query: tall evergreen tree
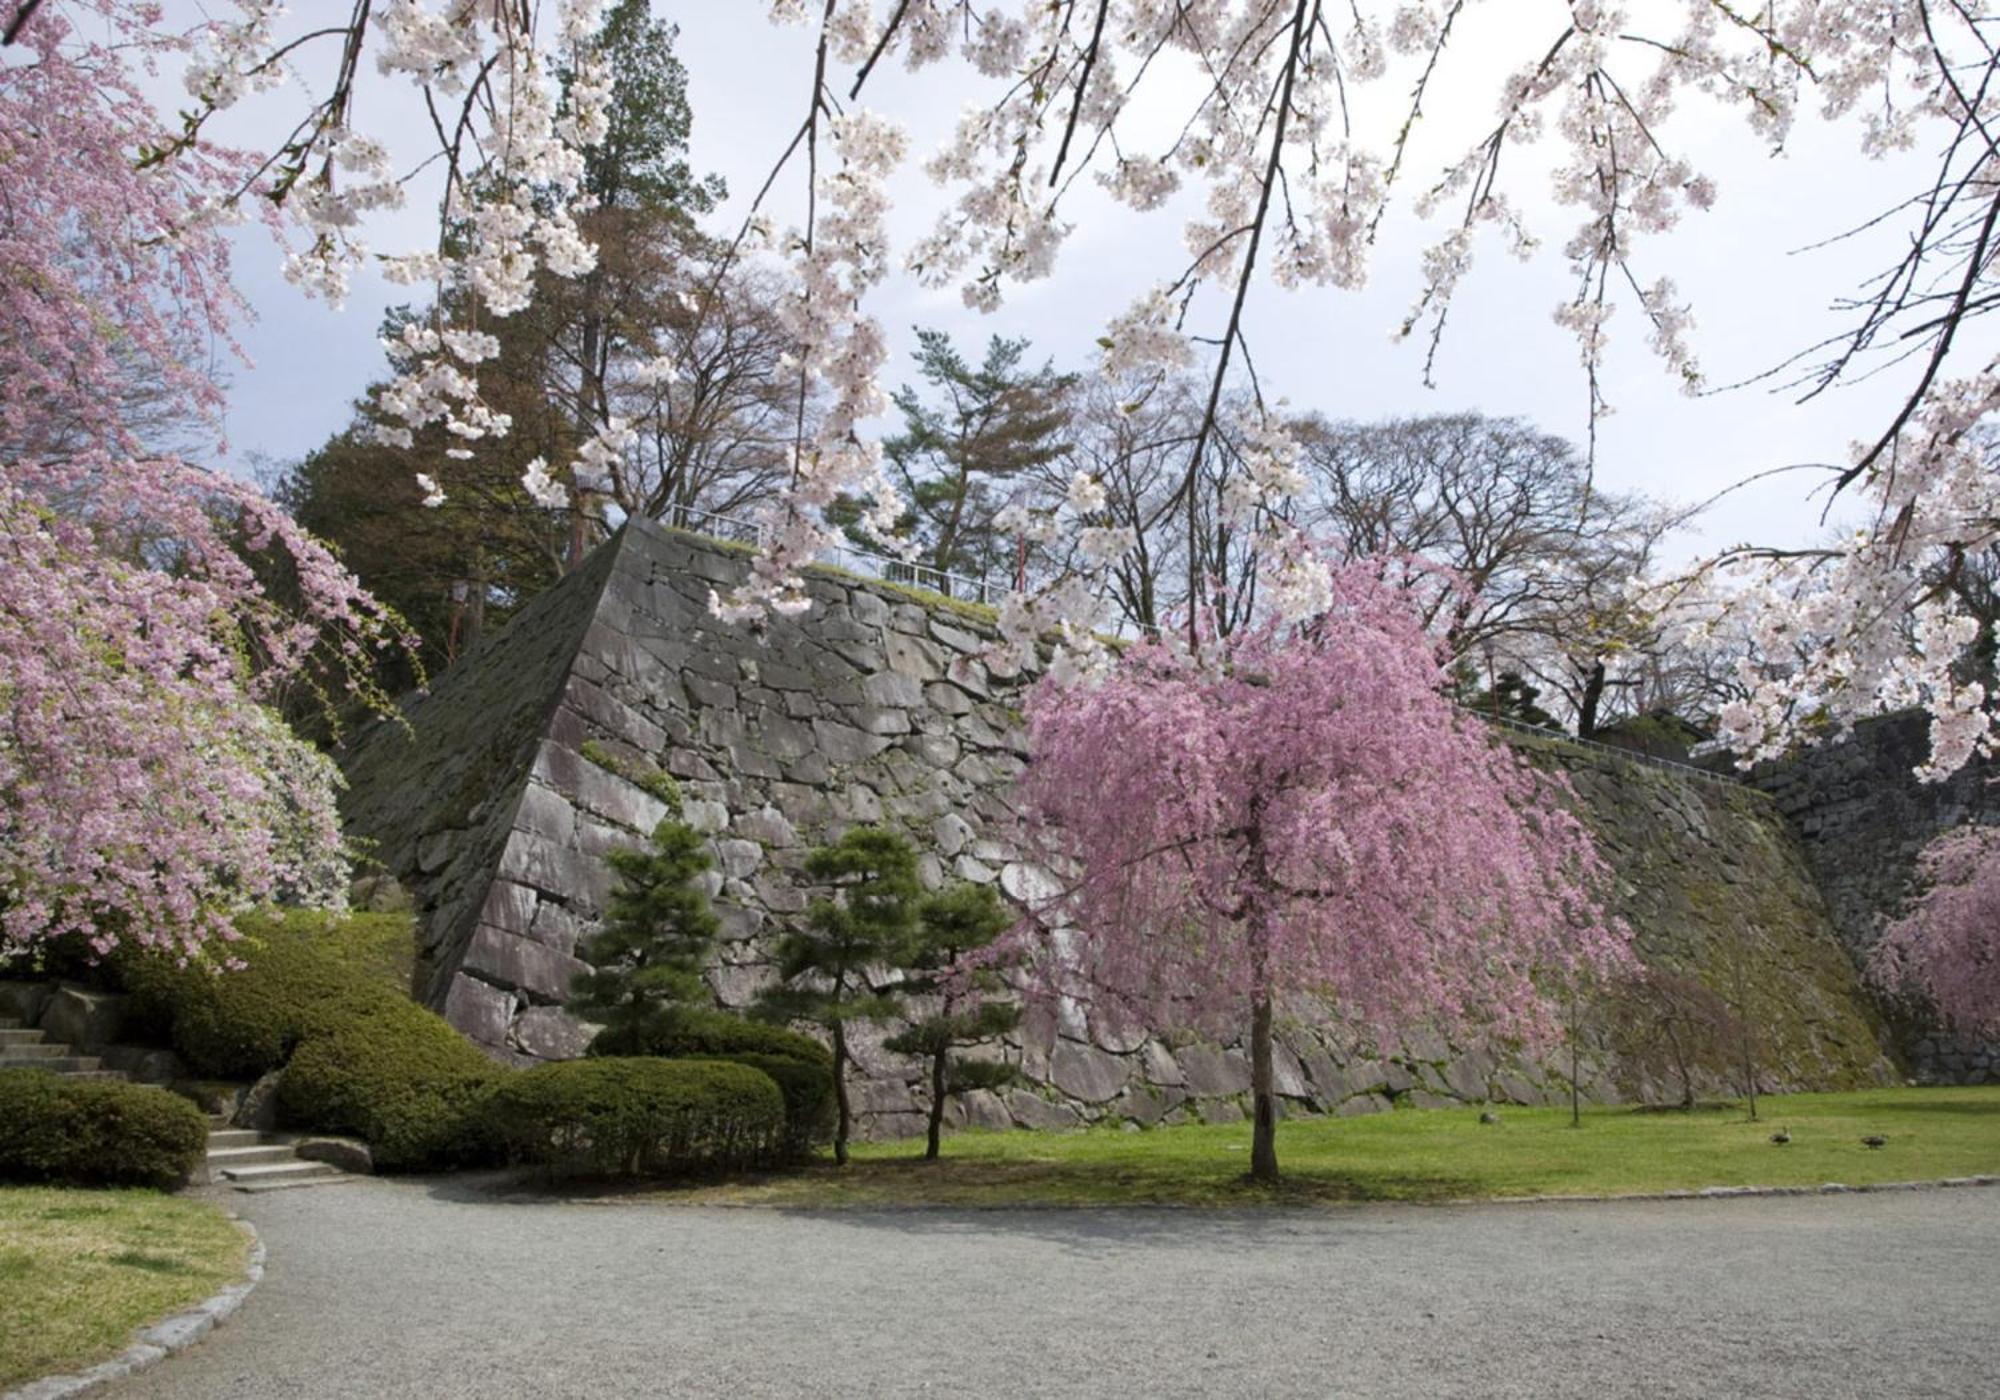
<point>968,441</point>
<point>869,918</point>
<point>647,960</point>
<point>952,924</point>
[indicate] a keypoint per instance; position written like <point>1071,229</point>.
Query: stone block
<point>550,1033</point>
<point>508,960</point>
<point>1157,1065</point>
<point>913,656</point>
<point>1087,1073</point>
<point>767,826</point>
<point>737,987</point>
<point>509,906</point>
<point>1211,1071</point>
<point>891,688</point>
<point>479,1011</point>
<point>845,745</point>
<point>83,1018</point>
<point>144,1063</point>
<point>1030,1110</point>
<point>545,812</point>
<point>982,1108</point>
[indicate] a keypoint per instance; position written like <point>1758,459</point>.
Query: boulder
<point>82,1018</point>
<point>24,1000</point>
<point>258,1108</point>
<point>345,1153</point>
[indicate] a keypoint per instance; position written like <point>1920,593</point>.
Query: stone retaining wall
<point>498,799</point>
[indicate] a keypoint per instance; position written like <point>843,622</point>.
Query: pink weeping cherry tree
<point>1299,817</point>
<point>1946,948</point>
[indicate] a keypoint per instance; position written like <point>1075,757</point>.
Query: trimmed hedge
<point>304,974</point>
<point>403,1081</point>
<point>713,1035</point>
<point>809,1103</point>
<point>96,1132</point>
<point>640,1116</point>
<point>802,1067</point>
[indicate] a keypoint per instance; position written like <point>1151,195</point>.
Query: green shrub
<point>640,1116</point>
<point>304,974</point>
<point>96,1132</point>
<point>402,1080</point>
<point>809,1105</point>
<point>714,1035</point>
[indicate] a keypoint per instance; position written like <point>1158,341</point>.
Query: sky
<point>1760,291</point>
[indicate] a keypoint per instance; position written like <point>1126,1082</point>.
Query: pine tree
<point>647,960</point>
<point>870,919</point>
<point>953,924</point>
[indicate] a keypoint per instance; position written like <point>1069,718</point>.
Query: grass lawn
<point>79,1270</point>
<point>1416,1155</point>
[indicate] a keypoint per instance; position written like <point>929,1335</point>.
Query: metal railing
<point>873,564</point>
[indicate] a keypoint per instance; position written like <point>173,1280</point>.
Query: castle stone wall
<point>875,707</point>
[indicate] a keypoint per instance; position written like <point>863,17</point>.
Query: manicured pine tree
<point>952,925</point>
<point>869,919</point>
<point>647,960</point>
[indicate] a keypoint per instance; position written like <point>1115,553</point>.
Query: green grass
<point>79,1270</point>
<point>1434,1155</point>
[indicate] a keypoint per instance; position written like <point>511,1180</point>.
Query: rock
<point>379,894</point>
<point>1362,1103</point>
<point>767,826</point>
<point>144,1064</point>
<point>258,1107</point>
<point>550,1033</point>
<point>82,1018</point>
<point>950,833</point>
<point>480,1011</point>
<point>738,858</point>
<point>1220,1111</point>
<point>348,1154</point>
<point>1087,1073</point>
<point>435,851</point>
<point>1032,1111</point>
<point>1158,1066</point>
<point>982,1108</point>
<point>24,1000</point>
<point>1211,1072</point>
<point>1029,884</point>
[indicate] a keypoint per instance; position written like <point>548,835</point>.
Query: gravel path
<point>385,1288</point>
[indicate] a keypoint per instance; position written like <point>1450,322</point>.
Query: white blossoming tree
<point>1288,178</point>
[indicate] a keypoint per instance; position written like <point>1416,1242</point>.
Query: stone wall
<point>1862,817</point>
<point>875,707</point>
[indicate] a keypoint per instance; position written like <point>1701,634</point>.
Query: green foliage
<point>952,925</point>
<point>96,1132</point>
<point>320,997</point>
<point>405,1082</point>
<point>304,974</point>
<point>640,1117</point>
<point>870,920</point>
<point>697,1033</point>
<point>802,1067</point>
<point>647,960</point>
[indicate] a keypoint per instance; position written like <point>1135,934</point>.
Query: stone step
<point>34,1050</point>
<point>118,1074</point>
<point>258,1188</point>
<point>61,1062</point>
<point>266,1172</point>
<point>249,1154</point>
<point>16,1035</point>
<point>225,1136</point>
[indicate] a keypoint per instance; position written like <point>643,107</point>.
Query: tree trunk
<point>939,1064</point>
<point>1264,1132</point>
<point>1593,696</point>
<point>844,1122</point>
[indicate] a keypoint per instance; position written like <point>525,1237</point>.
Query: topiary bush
<point>402,1080</point>
<point>714,1035</point>
<point>303,974</point>
<point>640,1116</point>
<point>809,1106</point>
<point>802,1067</point>
<point>85,1132</point>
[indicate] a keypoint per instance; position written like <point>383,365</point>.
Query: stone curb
<point>156,1343</point>
<point>1720,1193</point>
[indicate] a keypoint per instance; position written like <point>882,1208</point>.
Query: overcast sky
<point>1757,298</point>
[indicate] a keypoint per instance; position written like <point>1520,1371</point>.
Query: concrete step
<point>258,1188</point>
<point>33,1050</point>
<point>15,1035</point>
<point>61,1063</point>
<point>267,1172</point>
<point>249,1155</point>
<point>118,1074</point>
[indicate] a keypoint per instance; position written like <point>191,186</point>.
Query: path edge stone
<point>155,1343</point>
